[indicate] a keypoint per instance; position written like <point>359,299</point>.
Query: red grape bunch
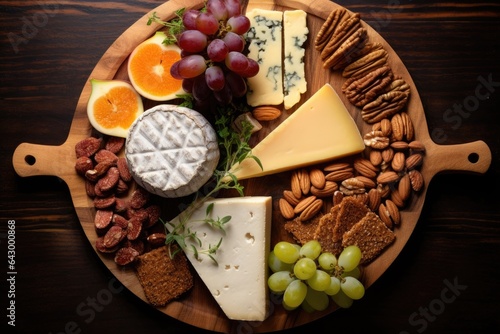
<point>212,61</point>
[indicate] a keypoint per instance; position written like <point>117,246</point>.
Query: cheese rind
<point>171,151</point>
<point>294,36</point>
<point>320,130</point>
<point>238,281</point>
<point>265,47</point>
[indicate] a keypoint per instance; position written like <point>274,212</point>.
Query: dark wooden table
<point>445,280</point>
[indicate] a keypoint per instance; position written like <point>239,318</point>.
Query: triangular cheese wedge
<point>320,130</point>
<point>238,281</point>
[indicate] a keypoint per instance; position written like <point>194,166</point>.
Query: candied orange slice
<point>113,106</point>
<point>149,69</point>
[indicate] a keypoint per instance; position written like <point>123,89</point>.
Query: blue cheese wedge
<point>238,281</point>
<point>171,151</point>
<point>265,47</point>
<point>294,36</point>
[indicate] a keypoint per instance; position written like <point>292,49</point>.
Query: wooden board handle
<point>33,159</point>
<point>472,157</point>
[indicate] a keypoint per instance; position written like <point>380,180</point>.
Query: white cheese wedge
<point>320,130</point>
<point>294,36</point>
<point>171,151</point>
<point>265,47</point>
<point>238,281</point>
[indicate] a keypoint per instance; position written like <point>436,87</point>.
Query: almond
<point>398,161</point>
<point>396,198</point>
<point>338,166</point>
<point>311,210</point>
<point>365,168</point>
<point>400,145</point>
<point>404,187</point>
<point>317,178</point>
<point>375,157</point>
<point>416,180</point>
<point>290,197</point>
<point>393,212</point>
<point>286,209</point>
<point>414,161</point>
<point>295,185</point>
<point>383,213</point>
<point>409,131</point>
<point>340,175</point>
<point>328,190</point>
<point>385,127</point>
<point>387,177</point>
<point>304,181</point>
<point>374,199</point>
<point>416,146</point>
<point>397,127</point>
<point>304,204</point>
<point>387,154</point>
<point>266,113</point>
<point>368,182</point>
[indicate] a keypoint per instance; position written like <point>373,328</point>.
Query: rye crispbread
<point>162,278</point>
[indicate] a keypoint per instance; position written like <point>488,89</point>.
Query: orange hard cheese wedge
<point>149,69</point>
<point>113,106</point>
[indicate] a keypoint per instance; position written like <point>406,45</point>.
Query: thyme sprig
<point>234,147</point>
<point>174,26</point>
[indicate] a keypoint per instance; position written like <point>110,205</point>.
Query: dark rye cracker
<point>162,278</point>
<point>371,235</point>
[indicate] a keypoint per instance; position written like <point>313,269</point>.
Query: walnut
<point>375,139</point>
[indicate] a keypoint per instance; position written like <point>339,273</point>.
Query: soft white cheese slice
<point>294,36</point>
<point>238,281</point>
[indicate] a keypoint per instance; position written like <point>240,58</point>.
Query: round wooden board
<point>198,307</point>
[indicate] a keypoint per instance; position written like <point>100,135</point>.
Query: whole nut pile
<point>126,221</point>
<point>386,174</point>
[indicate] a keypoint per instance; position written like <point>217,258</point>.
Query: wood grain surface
<point>461,224</point>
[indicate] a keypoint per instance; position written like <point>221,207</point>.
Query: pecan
<point>266,113</point>
<point>102,219</point>
<point>99,245</point>
<point>317,178</point>
<point>83,164</point>
<point>384,106</point>
<point>365,167</point>
<point>121,187</point>
<point>286,209</point>
<point>328,27</point>
<point>366,64</point>
<point>153,212</point>
<point>304,204</point>
<point>90,188</point>
<point>99,170</point>
<point>290,197</point>
<point>126,255</point>
<point>376,139</point>
<point>311,210</point>
<point>399,84</point>
<point>343,55</point>
<point>328,190</point>
<point>88,147</point>
<point>119,220</point>
<point>344,30</point>
<point>398,161</point>
<point>114,144</point>
<point>416,180</point>
<point>121,205</point>
<point>362,90</point>
<point>138,245</point>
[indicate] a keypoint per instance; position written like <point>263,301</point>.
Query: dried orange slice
<point>149,69</point>
<point>113,106</point>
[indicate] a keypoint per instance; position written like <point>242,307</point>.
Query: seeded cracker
<point>371,235</point>
<point>303,231</point>
<point>351,211</point>
<point>324,232</point>
<point>162,278</point>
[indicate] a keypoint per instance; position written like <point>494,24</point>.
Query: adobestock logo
<point>31,25</point>
<point>421,318</point>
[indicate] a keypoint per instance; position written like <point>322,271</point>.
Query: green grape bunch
<point>307,277</point>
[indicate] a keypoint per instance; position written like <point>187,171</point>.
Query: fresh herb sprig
<point>234,147</point>
<point>174,26</point>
